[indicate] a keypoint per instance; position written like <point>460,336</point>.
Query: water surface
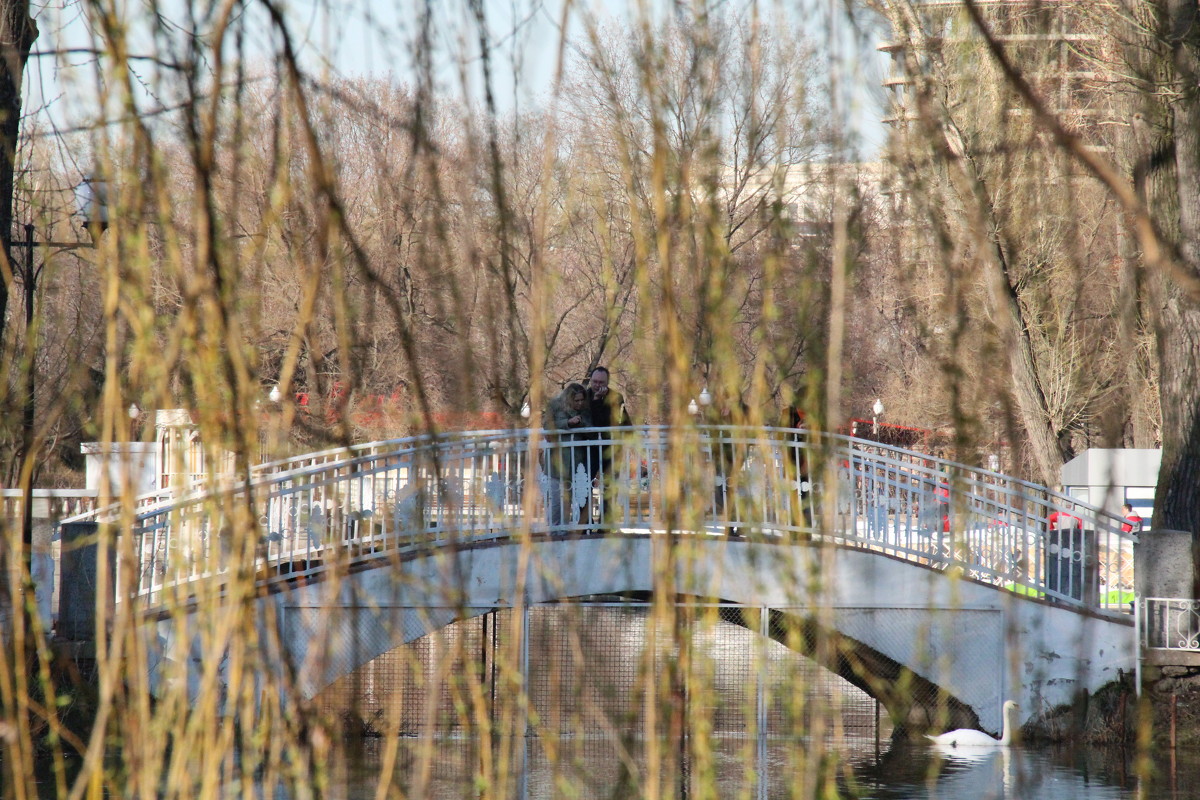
<point>908,772</point>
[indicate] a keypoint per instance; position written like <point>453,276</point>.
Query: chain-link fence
<point>581,693</point>
<point>587,667</point>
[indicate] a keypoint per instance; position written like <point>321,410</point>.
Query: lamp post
<point>92,205</point>
<point>876,413</point>
<point>91,201</point>
<point>134,412</point>
<point>271,421</point>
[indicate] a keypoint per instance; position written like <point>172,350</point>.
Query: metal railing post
<point>523,717</point>
<point>760,700</point>
<point>1137,645</point>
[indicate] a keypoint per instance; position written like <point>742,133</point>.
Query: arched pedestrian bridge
<point>966,584</point>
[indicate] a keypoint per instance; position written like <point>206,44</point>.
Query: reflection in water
<point>1018,773</point>
<point>441,770</point>
<point>906,772</point>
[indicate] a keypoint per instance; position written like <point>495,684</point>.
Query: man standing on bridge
<point>607,411</point>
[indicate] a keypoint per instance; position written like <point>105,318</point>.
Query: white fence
<point>1169,623</point>
<point>770,485</point>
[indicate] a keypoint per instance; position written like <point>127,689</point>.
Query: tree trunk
<point>1177,501</point>
<point>1177,504</point>
<point>17,32</point>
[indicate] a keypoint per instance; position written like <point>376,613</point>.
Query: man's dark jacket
<point>608,408</point>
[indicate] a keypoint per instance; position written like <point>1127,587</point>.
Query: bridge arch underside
<point>933,649</point>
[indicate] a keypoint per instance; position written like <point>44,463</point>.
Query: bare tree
<point>711,163</point>
<point>1008,207</point>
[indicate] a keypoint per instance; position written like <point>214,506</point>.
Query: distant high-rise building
<point>1061,47</point>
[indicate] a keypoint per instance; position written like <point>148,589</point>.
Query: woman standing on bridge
<point>566,412</point>
<point>729,452</point>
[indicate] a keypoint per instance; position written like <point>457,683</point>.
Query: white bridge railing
<point>769,485</point>
<point>1169,623</point>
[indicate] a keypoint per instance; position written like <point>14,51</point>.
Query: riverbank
<point>1167,715</point>
<point>1172,694</point>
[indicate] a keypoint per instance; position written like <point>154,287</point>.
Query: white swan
<point>969,737</point>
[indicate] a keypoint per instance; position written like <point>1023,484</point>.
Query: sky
<point>376,38</point>
<point>528,34</point>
